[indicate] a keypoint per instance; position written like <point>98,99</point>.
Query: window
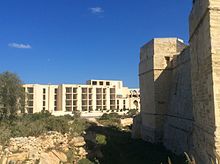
<point>68,96</point>
<point>94,83</point>
<point>44,103</point>
<point>101,83</point>
<point>74,108</point>
<point>108,83</point>
<point>44,97</point>
<point>30,90</point>
<point>68,90</point>
<point>69,102</point>
<point>44,90</point>
<point>68,109</point>
<point>55,91</point>
<point>74,96</point>
<point>74,103</point>
<point>30,103</point>
<point>55,108</point>
<point>30,110</point>
<point>112,90</point>
<point>84,90</point>
<point>74,90</point>
<point>30,97</point>
<point>98,90</point>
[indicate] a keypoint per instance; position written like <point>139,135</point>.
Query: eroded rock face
<point>52,147</point>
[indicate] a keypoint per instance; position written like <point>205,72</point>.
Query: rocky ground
<point>50,148</point>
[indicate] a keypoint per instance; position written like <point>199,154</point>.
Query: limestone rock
<point>78,141</point>
<point>82,152</point>
<point>18,157</point>
<point>48,158</point>
<point>126,122</point>
<point>62,157</point>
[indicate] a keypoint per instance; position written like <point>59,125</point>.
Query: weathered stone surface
<point>136,127</point>
<point>62,157</point>
<point>48,158</point>
<point>49,148</point>
<point>180,88</point>
<point>126,121</point>
<point>78,141</point>
<point>17,157</point>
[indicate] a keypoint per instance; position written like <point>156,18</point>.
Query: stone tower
<point>155,73</point>
<point>205,62</point>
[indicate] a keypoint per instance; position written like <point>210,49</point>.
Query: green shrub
<point>85,161</point>
<point>59,124</point>
<point>111,119</point>
<point>110,116</point>
<point>70,155</point>
<point>5,133</point>
<point>78,126</point>
<point>39,123</point>
<point>101,139</point>
<point>132,112</point>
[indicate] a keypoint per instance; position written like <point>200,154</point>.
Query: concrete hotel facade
<point>95,96</point>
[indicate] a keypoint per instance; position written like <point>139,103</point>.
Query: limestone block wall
<point>146,79</point>
<point>180,89</point>
<point>204,45</point>
<point>179,119</point>
<point>155,78</point>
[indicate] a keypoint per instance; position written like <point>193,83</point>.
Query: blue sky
<point>71,41</point>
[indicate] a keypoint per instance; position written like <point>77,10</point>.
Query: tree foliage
<point>12,95</point>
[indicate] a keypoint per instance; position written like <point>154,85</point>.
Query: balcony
<point>68,102</point>
<point>84,96</point>
<point>68,109</point>
<point>68,90</point>
<point>74,96</point>
<point>74,90</point>
<point>84,103</point>
<point>84,90</point>
<point>99,103</point>
<point>98,97</point>
<point>112,90</point>
<point>84,109</point>
<point>75,103</point>
<point>98,90</point>
<point>112,97</point>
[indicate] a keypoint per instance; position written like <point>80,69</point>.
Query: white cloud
<point>19,45</point>
<point>96,10</point>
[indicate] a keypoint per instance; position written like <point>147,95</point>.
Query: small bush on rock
<point>101,139</point>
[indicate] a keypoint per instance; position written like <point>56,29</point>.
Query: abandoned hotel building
<point>91,99</point>
<point>180,88</point>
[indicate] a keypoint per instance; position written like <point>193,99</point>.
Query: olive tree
<point>12,95</point>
